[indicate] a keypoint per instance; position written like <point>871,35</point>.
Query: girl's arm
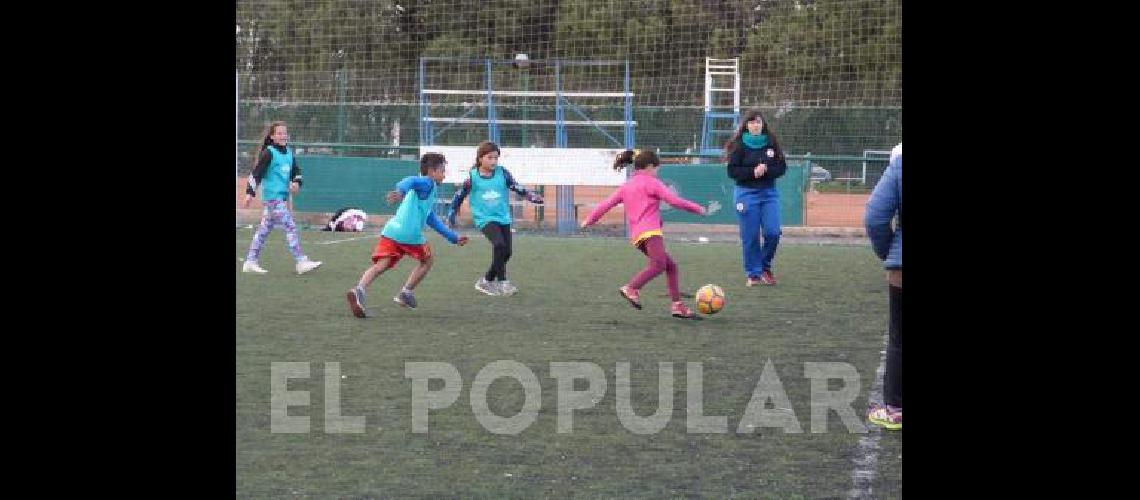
<point>257,173</point>
<point>880,210</point>
<point>457,201</point>
<point>437,224</point>
<point>602,208</point>
<point>668,196</point>
<point>736,167</point>
<point>295,172</point>
<point>776,165</point>
<point>421,185</point>
<point>522,191</point>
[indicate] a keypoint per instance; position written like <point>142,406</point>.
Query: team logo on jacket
<point>771,153</point>
<point>491,198</point>
<point>740,207</point>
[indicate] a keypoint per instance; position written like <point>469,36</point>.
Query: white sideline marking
<point>867,451</point>
<point>344,240</point>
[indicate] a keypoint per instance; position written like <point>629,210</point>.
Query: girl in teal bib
<point>276,173</point>
<point>489,185</point>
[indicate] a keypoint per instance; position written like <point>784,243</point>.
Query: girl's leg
<point>673,276</point>
<point>508,248</point>
<point>748,216</point>
<point>374,271</point>
<point>493,232</point>
<point>263,229</point>
<point>655,250</point>
<point>892,379</point>
<point>407,297</point>
<point>658,260</point>
<point>291,237</point>
<point>769,210</point>
<point>419,273</point>
<point>357,293</point>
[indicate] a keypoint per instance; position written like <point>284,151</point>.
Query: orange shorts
<point>392,250</point>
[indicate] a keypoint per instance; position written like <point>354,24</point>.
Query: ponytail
<point>624,159</point>
<point>638,158</point>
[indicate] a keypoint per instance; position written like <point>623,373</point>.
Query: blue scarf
<point>754,141</point>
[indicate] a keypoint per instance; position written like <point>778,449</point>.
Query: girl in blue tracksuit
<point>755,161</point>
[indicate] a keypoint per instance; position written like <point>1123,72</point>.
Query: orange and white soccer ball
<point>710,299</point>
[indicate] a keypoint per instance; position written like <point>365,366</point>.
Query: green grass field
<point>830,306</point>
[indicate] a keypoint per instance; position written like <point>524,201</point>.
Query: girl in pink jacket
<point>641,194</point>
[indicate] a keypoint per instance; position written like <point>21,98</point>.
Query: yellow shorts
<point>646,235</point>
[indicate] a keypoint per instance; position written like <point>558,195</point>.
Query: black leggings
<point>892,379</point>
<point>500,237</point>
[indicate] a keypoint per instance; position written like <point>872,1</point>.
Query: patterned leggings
<point>275,212</point>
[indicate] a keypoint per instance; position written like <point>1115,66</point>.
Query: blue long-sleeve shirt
<point>884,203</point>
<point>423,187</point>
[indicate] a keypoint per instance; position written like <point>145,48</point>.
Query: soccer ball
<point>710,299</point>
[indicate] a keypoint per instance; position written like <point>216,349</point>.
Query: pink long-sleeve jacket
<point>641,194</point>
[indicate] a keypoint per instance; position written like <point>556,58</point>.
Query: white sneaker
<point>506,288</point>
<point>252,267</point>
<point>307,265</point>
<point>487,287</point>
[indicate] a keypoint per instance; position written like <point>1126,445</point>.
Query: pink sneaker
<point>633,296</point>
<point>680,310</point>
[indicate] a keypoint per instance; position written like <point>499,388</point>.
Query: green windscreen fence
<point>707,182</point>
<point>335,182</point>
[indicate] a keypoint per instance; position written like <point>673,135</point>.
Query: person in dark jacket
<point>755,161</point>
